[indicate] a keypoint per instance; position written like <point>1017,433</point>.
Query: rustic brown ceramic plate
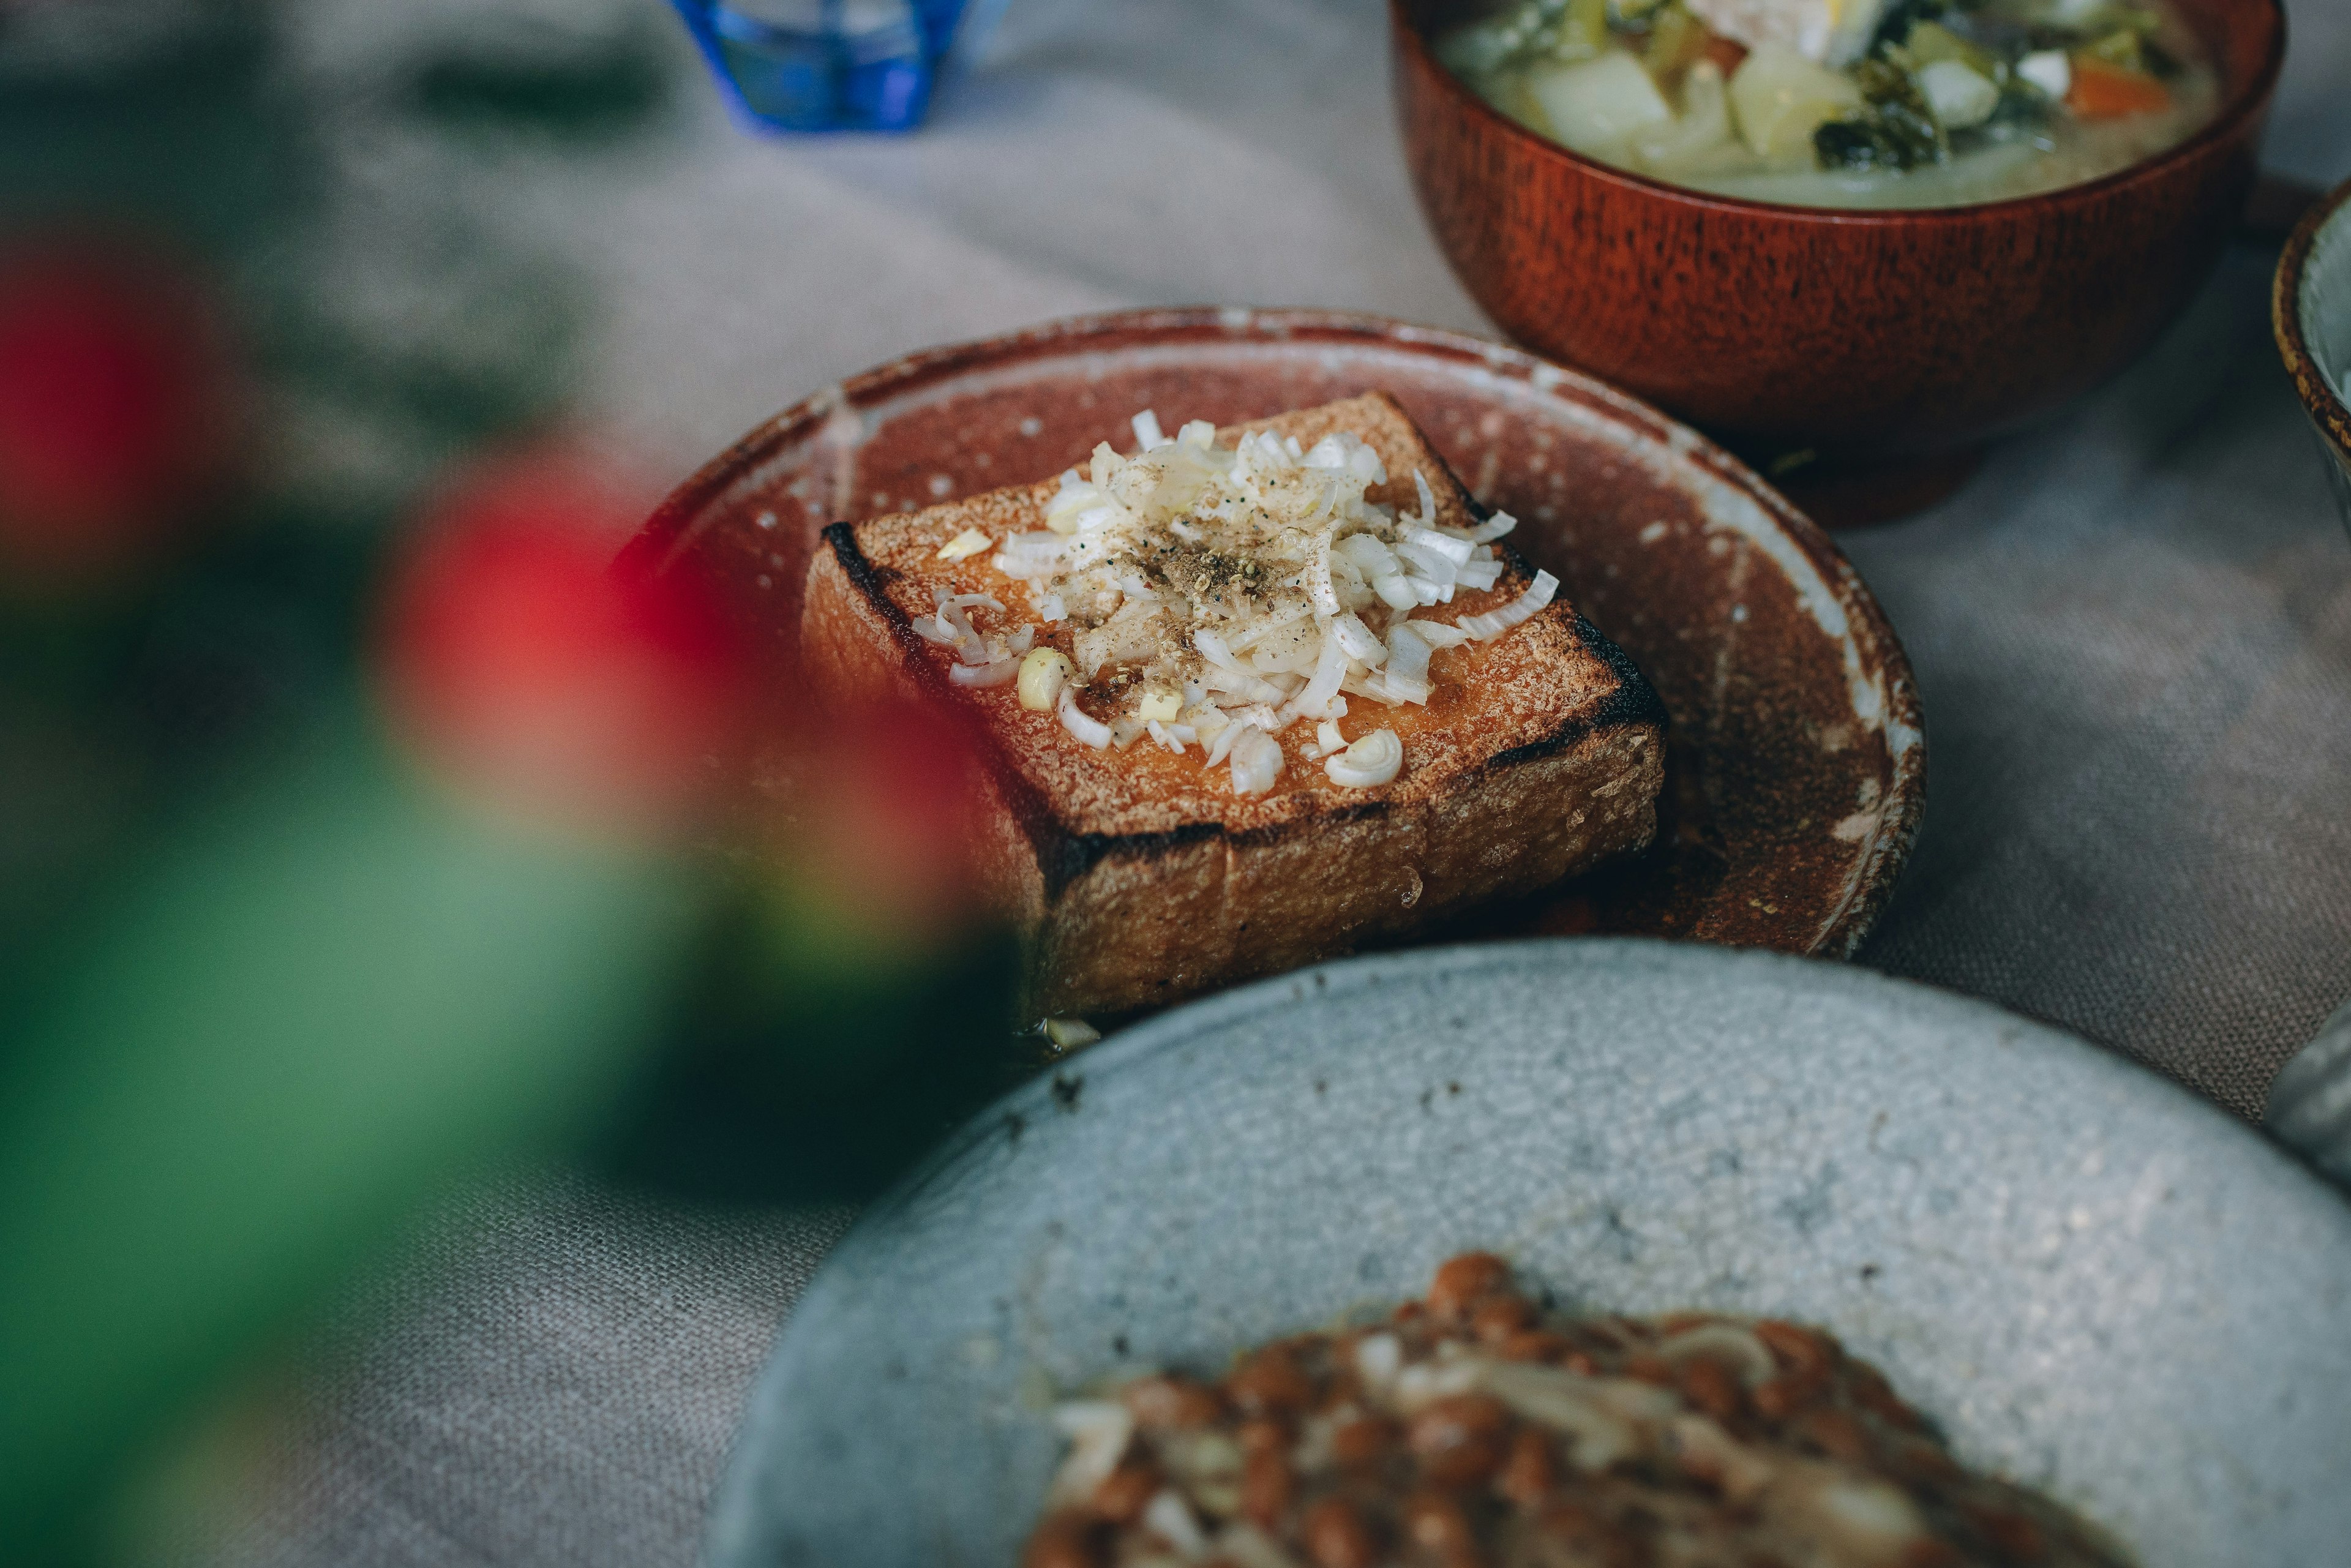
<point>1796,763</point>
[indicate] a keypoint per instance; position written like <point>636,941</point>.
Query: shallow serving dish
<point>2311,309</point>
<point>1795,762</point>
<point>1863,339</point>
<point>2099,1284</point>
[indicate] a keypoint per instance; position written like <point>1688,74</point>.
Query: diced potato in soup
<point>1597,106</point>
<point>1848,103</point>
<point>1781,98</point>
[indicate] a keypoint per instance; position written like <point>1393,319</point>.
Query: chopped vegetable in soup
<point>1847,103</point>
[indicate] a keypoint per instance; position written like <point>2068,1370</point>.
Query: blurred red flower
<point>525,668</point>
<point>520,665</point>
<point>887,827</point>
<point>117,400</point>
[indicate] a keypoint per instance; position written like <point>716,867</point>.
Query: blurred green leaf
<point>319,1000</point>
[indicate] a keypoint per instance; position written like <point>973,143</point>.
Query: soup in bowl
<point>1871,349</point>
<point>1862,103</point>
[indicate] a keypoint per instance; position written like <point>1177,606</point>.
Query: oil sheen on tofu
<point>1847,103</point>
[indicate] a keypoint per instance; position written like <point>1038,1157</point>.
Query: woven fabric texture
<point>2132,631</point>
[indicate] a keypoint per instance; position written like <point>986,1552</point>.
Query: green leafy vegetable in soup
<point>1857,103</point>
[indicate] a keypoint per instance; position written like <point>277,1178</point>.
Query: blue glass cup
<point>827,65</point>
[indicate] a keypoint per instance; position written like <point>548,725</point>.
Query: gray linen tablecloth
<point>2133,634</point>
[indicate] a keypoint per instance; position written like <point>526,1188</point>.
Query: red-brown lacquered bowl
<point>1867,337</point>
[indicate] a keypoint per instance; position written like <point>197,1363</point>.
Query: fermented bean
<point>1497,1317</point>
<point>1462,1440</point>
<point>1362,1442</point>
<point>1589,1539</point>
<point>1336,1536</point>
<point>1171,1404</point>
<point>1262,1433</point>
<point>1064,1541</point>
<point>2013,1535</point>
<point>1648,1366</point>
<point>1804,1349</point>
<point>1536,1344</point>
<point>1271,1380</point>
<point>1925,1553</point>
<point>1713,1388</point>
<point>1835,1433</point>
<point>1125,1492</point>
<point>1267,1487</point>
<point>1462,1282</point>
<point>1527,1472</point>
<point>1778,1398</point>
<point>1439,1526</point>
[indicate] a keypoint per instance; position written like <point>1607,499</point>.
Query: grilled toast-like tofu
<point>1142,877</point>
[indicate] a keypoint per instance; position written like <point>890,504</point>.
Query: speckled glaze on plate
<point>2311,310</point>
<point>2098,1283</point>
<point>1796,765</point>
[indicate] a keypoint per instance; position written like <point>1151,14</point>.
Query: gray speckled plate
<point>2098,1283</point>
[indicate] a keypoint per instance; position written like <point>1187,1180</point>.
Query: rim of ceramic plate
<point>2318,395</point>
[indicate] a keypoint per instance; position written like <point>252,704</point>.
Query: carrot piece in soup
<point>2101,91</point>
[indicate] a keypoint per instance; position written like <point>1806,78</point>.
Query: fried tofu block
<point>1142,877</point>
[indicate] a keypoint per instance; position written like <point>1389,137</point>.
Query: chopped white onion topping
<point>1068,1034</point>
<point>1257,761</point>
<point>1373,759</point>
<point>1330,669</point>
<point>1356,641</point>
<point>1438,634</point>
<point>1480,575</point>
<point>1031,555</point>
<point>1407,654</point>
<point>1078,722</point>
<point>1000,672</point>
<point>1235,591</point>
<point>1220,744</point>
<point>1443,546</point>
<point>1493,624</point>
<point>965,544</point>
